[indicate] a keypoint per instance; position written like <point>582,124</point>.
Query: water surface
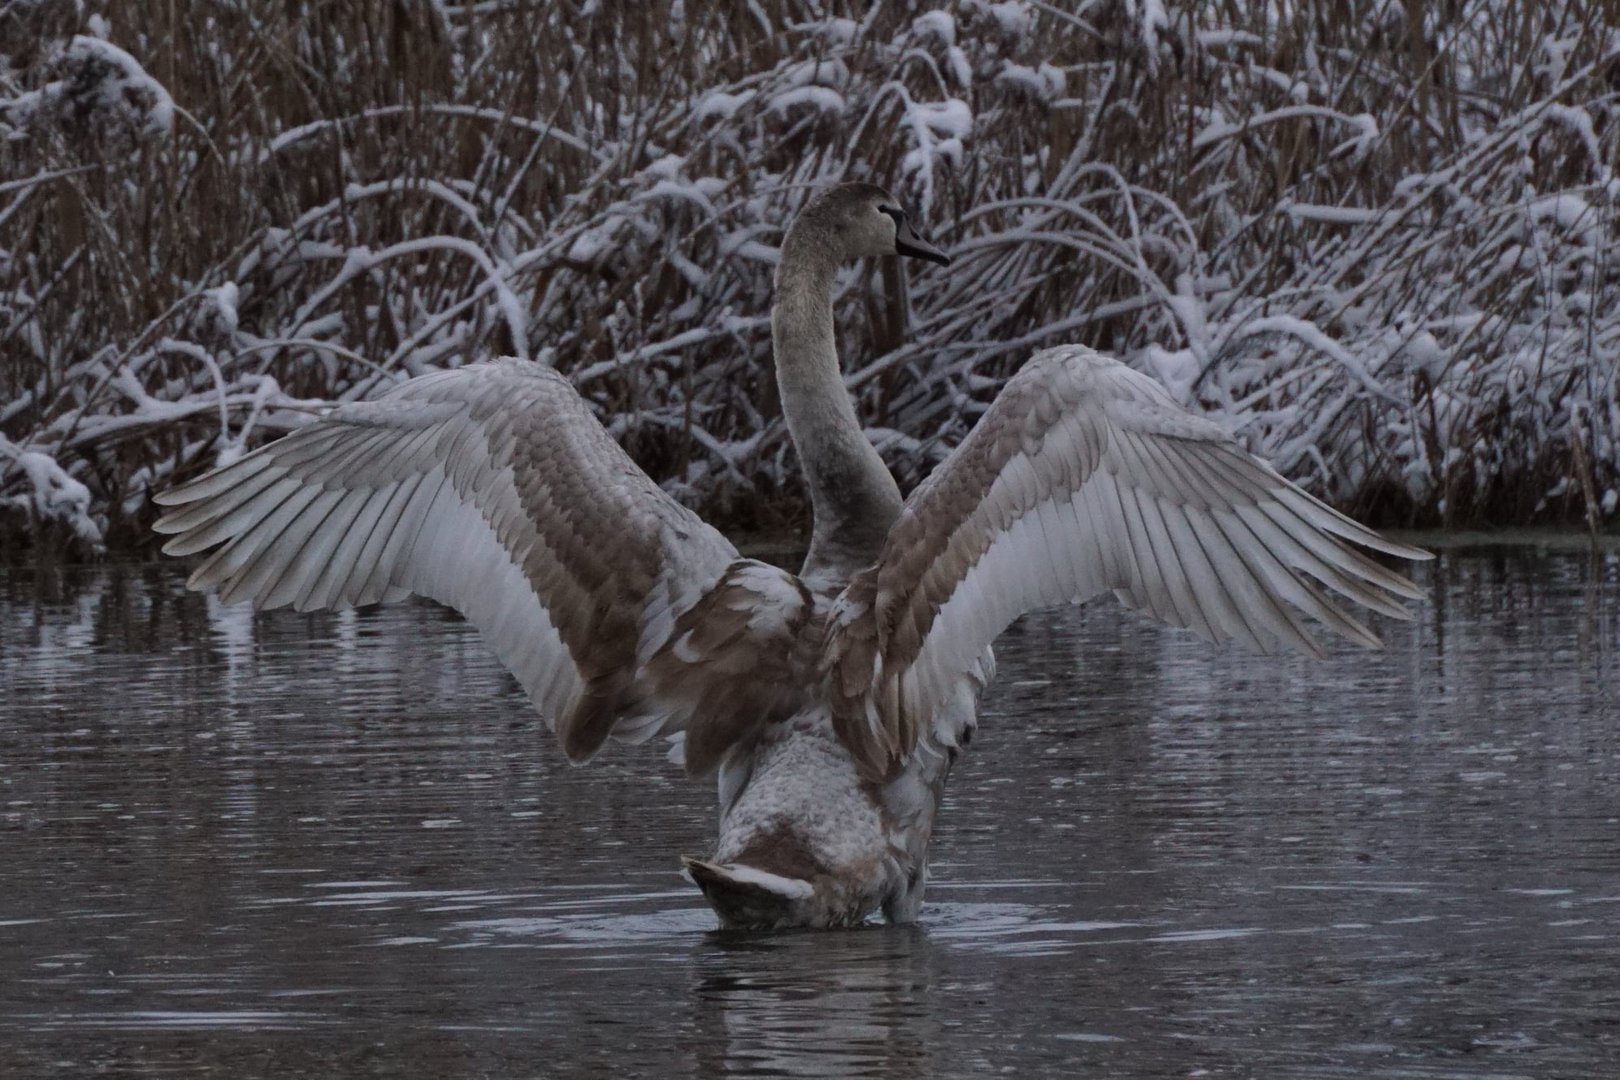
<point>343,846</point>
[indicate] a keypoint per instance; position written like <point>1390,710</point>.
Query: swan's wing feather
<point>1085,477</point>
<point>492,488</point>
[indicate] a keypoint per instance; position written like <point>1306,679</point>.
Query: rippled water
<point>334,846</point>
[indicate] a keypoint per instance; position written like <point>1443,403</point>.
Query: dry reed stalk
<point>1373,237</point>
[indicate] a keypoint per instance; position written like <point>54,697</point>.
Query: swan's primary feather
<point>1086,477</point>
<point>492,489</point>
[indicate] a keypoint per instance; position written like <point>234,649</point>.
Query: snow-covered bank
<point>1381,253</point>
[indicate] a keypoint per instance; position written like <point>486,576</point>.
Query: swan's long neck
<point>853,497</point>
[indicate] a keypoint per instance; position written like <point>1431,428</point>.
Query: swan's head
<point>862,219</point>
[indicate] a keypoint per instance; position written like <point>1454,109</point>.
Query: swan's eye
<point>894,212</point>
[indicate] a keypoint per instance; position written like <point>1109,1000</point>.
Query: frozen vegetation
<point>1379,250</point>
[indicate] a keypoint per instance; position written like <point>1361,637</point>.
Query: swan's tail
<point>750,899</point>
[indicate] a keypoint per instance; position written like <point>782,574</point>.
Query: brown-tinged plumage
<point>1086,477</point>
<point>832,703</point>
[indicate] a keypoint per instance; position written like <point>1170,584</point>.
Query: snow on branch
<point>1388,267</point>
<point>99,92</point>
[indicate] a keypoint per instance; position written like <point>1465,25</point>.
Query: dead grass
<point>1338,228</point>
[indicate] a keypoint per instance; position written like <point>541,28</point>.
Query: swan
<point>829,704</point>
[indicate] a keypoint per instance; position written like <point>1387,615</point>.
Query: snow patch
<point>103,91</point>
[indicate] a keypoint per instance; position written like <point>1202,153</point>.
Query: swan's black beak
<point>908,242</point>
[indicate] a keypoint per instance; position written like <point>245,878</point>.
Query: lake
<point>344,846</point>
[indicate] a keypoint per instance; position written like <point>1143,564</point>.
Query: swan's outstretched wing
<point>1086,477</point>
<point>493,489</point>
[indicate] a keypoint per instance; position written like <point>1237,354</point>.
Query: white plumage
<point>832,702</point>
<point>490,488</point>
<point>1085,477</point>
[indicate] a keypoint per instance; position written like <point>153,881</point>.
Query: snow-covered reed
<point>1374,239</point>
